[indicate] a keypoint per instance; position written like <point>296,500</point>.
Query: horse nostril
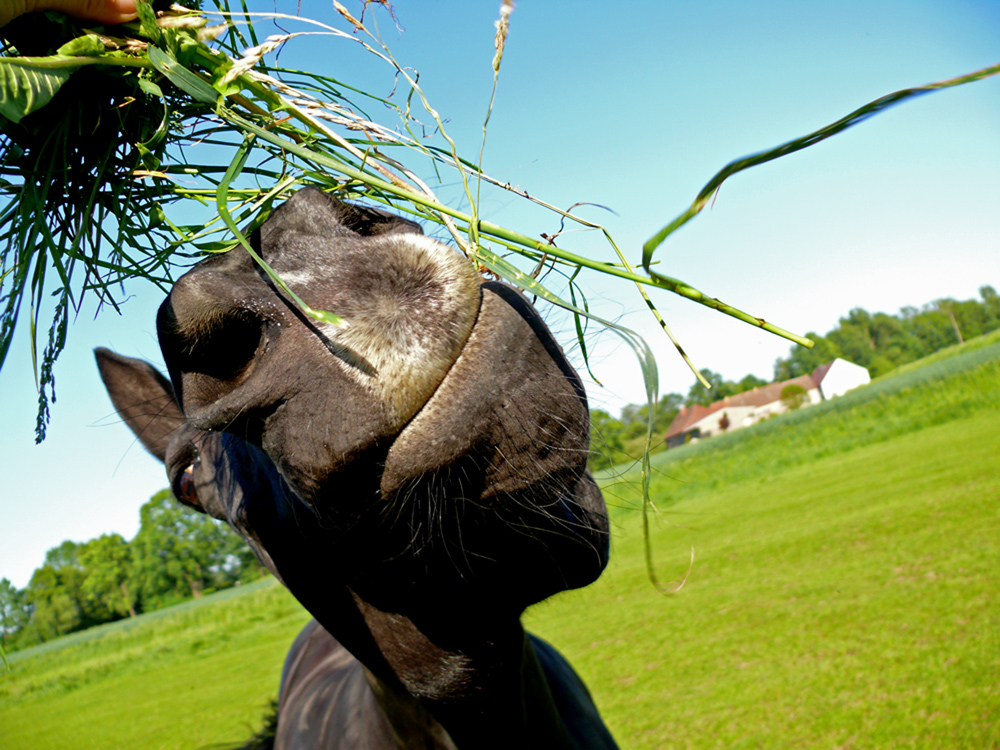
<point>209,349</point>
<point>225,350</point>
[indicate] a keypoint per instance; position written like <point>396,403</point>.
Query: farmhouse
<point>744,409</point>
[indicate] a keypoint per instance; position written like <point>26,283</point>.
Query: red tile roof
<point>760,396</point>
<point>820,372</point>
<point>688,416</point>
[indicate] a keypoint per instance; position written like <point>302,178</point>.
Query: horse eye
<point>186,490</point>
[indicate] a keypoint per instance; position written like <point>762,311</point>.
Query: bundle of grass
<point>90,177</point>
<point>71,139</point>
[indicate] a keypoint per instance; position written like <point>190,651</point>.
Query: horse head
<point>423,463</point>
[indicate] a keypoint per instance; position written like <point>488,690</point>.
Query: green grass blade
<point>857,116</point>
<point>25,87</point>
<point>242,153</point>
<point>181,77</point>
<point>642,352</point>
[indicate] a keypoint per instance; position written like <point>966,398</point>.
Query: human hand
<point>100,11</point>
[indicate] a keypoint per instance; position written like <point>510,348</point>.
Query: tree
<point>793,396</point>
<point>667,409</point>
<point>53,593</point>
<point>802,361</point>
<point>991,302</point>
<point>635,417</point>
<point>606,442</point>
<point>750,382</point>
<point>929,326</point>
<point>56,598</point>
<point>853,337</point>
<point>179,552</point>
<point>63,556</point>
<point>107,562</point>
<point>14,611</point>
<point>614,441</point>
<point>972,318</point>
<point>894,345</point>
<point>699,394</point>
<point>721,388</point>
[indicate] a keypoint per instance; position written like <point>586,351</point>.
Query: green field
<point>844,595</point>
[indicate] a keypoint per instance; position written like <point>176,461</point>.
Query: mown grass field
<point>844,595</point>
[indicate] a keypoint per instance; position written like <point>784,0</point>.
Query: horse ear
<point>142,397</point>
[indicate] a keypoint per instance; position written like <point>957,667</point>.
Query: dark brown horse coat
<point>416,478</point>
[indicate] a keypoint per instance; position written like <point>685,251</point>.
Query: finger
<point>11,10</point>
<point>101,11</point>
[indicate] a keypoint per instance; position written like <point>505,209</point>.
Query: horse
<point>416,475</point>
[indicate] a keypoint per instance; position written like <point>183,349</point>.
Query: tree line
<point>879,342</point>
<point>177,554</point>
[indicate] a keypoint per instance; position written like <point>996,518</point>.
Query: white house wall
<point>744,416</point>
<point>764,411</point>
<point>842,377</point>
<point>710,425</point>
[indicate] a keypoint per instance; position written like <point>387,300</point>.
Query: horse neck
<point>476,673</point>
<point>463,654</point>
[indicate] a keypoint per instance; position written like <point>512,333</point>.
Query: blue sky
<point>633,106</point>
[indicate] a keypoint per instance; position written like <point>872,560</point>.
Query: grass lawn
<point>844,595</point>
<point>851,603</point>
<point>189,676</point>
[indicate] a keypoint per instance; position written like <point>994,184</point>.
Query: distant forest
<point>877,341</point>
<point>177,554</point>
